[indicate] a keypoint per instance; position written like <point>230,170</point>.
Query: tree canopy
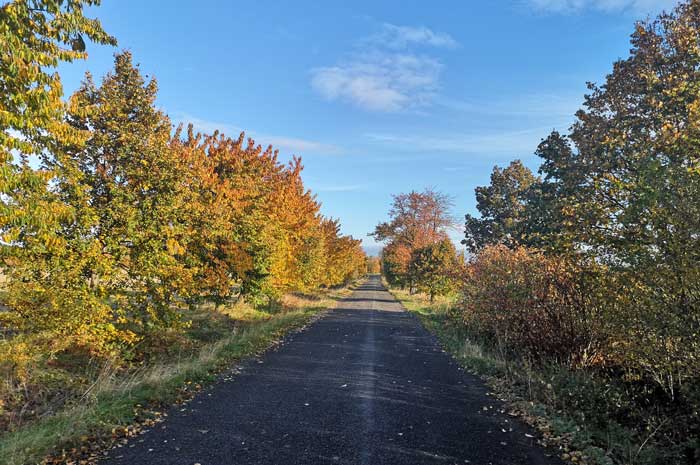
<point>417,220</point>
<point>502,205</point>
<point>113,221</point>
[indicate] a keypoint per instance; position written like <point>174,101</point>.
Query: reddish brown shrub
<point>532,304</point>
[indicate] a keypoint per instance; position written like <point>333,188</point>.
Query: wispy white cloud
<point>386,74</point>
<point>574,6</point>
<point>283,143</point>
<point>512,143</point>
<point>300,146</point>
<point>378,81</point>
<point>206,126</point>
<point>401,37</point>
<point>549,105</point>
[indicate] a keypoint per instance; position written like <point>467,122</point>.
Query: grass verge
<point>117,404</point>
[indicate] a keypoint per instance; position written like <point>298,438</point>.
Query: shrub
<point>527,302</point>
<point>653,339</point>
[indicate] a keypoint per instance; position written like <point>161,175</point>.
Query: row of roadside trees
<point>618,199</point>
<point>112,220</point>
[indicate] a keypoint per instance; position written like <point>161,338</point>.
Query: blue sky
<point>378,97</point>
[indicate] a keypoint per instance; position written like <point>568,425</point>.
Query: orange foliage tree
<point>257,231</point>
<point>417,219</point>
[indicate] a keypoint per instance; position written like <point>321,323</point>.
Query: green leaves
<point>435,268</point>
<point>46,257</point>
<point>36,36</point>
<point>502,205</point>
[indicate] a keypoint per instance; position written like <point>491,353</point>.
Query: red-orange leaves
<point>256,230</point>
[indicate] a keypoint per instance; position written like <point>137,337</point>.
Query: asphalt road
<point>366,384</point>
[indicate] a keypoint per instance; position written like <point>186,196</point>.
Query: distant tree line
<point>418,253</point>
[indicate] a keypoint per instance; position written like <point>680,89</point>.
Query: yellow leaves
<point>9,237</point>
<point>53,242</point>
<point>16,358</point>
<point>174,247</point>
<point>670,133</point>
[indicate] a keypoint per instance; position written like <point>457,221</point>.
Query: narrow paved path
<point>366,384</point>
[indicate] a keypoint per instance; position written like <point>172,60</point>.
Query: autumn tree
<point>133,181</point>
<point>35,36</point>
<point>434,268</point>
<point>417,219</point>
<point>297,261</point>
<point>374,265</point>
<point>637,186</point>
<point>636,166</point>
<point>396,259</point>
<point>47,251</point>
<point>620,197</point>
<point>218,249</point>
<point>316,253</point>
<point>124,221</point>
<point>502,206</point>
<point>550,211</point>
<point>344,258</point>
<point>258,231</point>
<point>241,182</point>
